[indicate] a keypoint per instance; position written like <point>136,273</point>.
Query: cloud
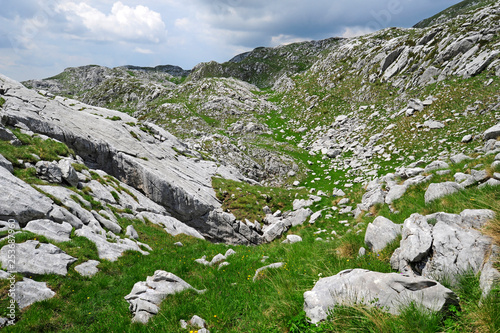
<point>138,24</point>
<point>143,51</point>
<point>355,31</point>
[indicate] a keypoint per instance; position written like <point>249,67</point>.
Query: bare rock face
<point>106,140</point>
<point>387,291</point>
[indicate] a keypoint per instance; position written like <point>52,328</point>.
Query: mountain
<point>251,193</point>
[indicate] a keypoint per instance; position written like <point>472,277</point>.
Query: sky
<point>40,38</point>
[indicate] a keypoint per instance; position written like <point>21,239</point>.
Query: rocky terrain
<point>269,193</point>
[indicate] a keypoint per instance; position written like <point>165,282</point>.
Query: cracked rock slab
<point>33,257</point>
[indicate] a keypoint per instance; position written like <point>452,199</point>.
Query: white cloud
<point>139,24</point>
<point>356,31</point>
<point>285,39</point>
<point>143,51</point>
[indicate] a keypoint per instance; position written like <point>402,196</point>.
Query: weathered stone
<point>395,192</point>
<point>146,296</point>
<point>108,250</point>
<point>436,165</point>
<point>61,214</point>
<point>439,190</point>
<point>51,230</point>
<point>257,272</point>
<point>171,225</point>
<point>34,257</point>
<point>297,217</point>
<point>131,232</point>
<point>372,198</point>
<point>492,132</point>
<point>29,291</point>
<point>88,268</point>
<point>20,201</point>
<point>6,164</point>
<point>108,224</point>
<point>432,124</point>
<point>459,158</point>
<point>290,239</point>
<point>301,203</point>
<point>49,171</point>
<point>100,192</point>
<point>388,291</point>
<point>476,218</point>
<point>68,172</point>
<point>380,233</point>
<point>416,242</point>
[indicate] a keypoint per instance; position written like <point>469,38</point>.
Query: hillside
<point>263,194</point>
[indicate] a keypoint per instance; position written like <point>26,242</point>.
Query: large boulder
<point>388,291</point>
<point>33,257</point>
<point>380,233</point>
<point>492,132</point>
<point>20,201</point>
<point>448,246</point>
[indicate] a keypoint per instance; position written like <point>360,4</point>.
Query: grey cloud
<point>313,19</point>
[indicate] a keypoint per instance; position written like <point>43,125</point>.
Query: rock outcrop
<point>387,291</point>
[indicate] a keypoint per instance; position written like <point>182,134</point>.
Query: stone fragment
<point>29,291</point>
<point>131,232</point>
<point>275,265</point>
<point>88,268</point>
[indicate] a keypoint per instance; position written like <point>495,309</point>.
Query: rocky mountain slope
<point>130,183</point>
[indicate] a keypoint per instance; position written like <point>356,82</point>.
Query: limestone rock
<point>109,250</point>
<point>68,172</point>
<point>290,239</point>
<point>5,163</point>
<point>380,233</point>
<point>275,265</point>
<point>51,230</point>
<point>171,225</point>
<point>492,132</point>
<point>49,171</point>
<point>387,291</point>
<point>396,192</point>
<point>34,257</point>
<point>438,190</point>
<point>452,246</point>
<point>146,296</point>
<point>131,232</point>
<point>20,201</point>
<point>29,291</point>
<point>61,215</point>
<point>88,268</point>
